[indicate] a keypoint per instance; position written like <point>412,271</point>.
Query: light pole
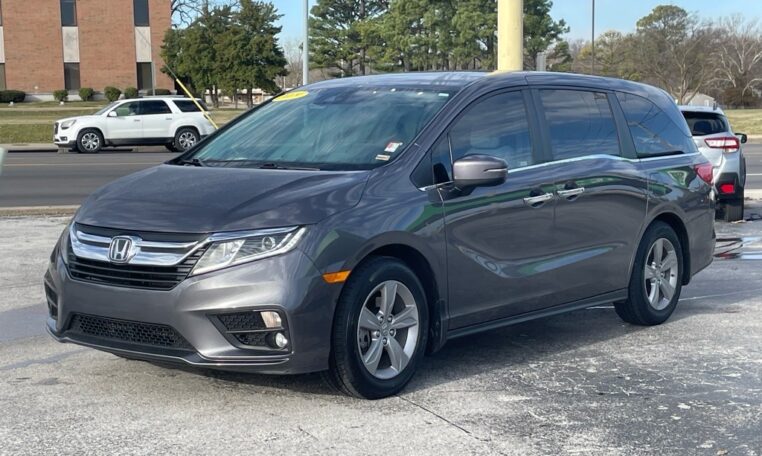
<point>306,44</point>
<point>510,35</point>
<point>592,62</point>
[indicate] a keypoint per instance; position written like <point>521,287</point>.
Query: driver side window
<point>128,109</point>
<point>495,126</point>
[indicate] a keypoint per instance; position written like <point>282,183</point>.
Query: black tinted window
<point>496,126</point>
<point>140,10</point>
<point>652,129</point>
<point>68,13</point>
<point>71,76</point>
<point>186,106</point>
<point>580,123</point>
<point>706,123</point>
<point>154,107</point>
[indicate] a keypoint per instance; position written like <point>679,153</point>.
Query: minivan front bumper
<point>140,322</point>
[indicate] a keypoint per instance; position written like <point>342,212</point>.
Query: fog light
<point>280,340</point>
<point>271,319</point>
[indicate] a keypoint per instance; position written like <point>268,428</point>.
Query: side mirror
<point>112,114</point>
<point>742,137</point>
<point>479,171</point>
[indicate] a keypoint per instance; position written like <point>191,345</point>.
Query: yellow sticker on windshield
<point>292,95</point>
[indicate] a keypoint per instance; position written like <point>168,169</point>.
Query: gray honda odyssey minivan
<point>353,225</point>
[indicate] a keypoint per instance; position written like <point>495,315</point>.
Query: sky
<point>618,15</point>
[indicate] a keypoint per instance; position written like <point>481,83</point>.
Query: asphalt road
<point>581,383</point>
<point>49,179</point>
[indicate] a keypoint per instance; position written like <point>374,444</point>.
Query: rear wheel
<point>185,138</point>
<point>656,279</point>
<point>89,141</point>
<point>380,330</point>
<point>732,211</point>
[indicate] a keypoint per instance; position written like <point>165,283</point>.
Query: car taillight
<point>727,188</point>
<point>704,171</point>
<point>727,144</point>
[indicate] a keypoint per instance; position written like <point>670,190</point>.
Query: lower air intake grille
<point>242,321</point>
<point>131,332</point>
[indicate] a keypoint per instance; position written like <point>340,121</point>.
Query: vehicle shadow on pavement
<point>515,345</point>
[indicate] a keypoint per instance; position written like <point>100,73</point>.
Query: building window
<point>71,76</point>
<point>2,76</point>
<point>68,13</point>
<point>145,78</point>
<point>140,9</point>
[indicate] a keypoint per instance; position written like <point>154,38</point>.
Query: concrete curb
<point>20,211</point>
<point>41,147</point>
<point>752,194</point>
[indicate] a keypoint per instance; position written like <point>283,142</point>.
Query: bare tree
<point>186,11</point>
<point>738,59</point>
<point>672,49</point>
<point>292,50</point>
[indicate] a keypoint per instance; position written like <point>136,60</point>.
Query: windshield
<point>340,128</point>
<point>103,110</point>
<point>706,123</point>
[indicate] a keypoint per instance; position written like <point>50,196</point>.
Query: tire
<point>89,141</point>
<point>732,211</point>
<point>185,138</point>
<point>647,303</point>
<point>352,343</point>
<point>171,147</point>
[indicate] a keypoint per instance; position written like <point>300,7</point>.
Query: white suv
<point>174,122</point>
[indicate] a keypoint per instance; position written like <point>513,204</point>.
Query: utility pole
<point>510,35</point>
<point>592,62</point>
<point>306,44</point>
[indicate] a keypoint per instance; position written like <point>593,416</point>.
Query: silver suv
<point>716,140</point>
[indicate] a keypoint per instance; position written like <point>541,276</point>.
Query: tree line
<point>683,54</point>
<point>233,44</point>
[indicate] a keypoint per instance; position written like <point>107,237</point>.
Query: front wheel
<point>656,279</point>
<point>89,141</point>
<point>379,331</point>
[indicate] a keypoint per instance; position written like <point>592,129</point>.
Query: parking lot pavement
<point>578,383</point>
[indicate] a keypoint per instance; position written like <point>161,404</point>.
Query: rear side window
<point>186,106</point>
<point>154,107</point>
<point>706,123</point>
<point>579,123</point>
<point>652,130</point>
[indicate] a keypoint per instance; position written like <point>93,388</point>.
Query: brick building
<point>46,45</point>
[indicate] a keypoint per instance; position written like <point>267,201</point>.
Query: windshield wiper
<point>191,162</point>
<point>277,166</point>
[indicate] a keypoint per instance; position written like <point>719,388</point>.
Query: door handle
<point>571,193</point>
<point>537,201</point>
<point>136,120</point>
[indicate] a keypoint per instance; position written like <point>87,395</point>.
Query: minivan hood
<point>182,199</point>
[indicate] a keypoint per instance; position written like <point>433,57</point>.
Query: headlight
<point>229,249</point>
<point>67,124</point>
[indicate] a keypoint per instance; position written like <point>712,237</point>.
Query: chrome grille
<point>157,265</point>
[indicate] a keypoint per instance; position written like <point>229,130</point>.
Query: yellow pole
<point>198,105</point>
<point>510,35</point>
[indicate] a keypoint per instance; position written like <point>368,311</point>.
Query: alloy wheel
<point>90,141</point>
<point>661,273</point>
<point>186,140</point>
<point>387,329</point>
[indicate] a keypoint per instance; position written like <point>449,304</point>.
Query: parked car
<point>716,140</point>
<point>355,224</point>
<point>174,122</point>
